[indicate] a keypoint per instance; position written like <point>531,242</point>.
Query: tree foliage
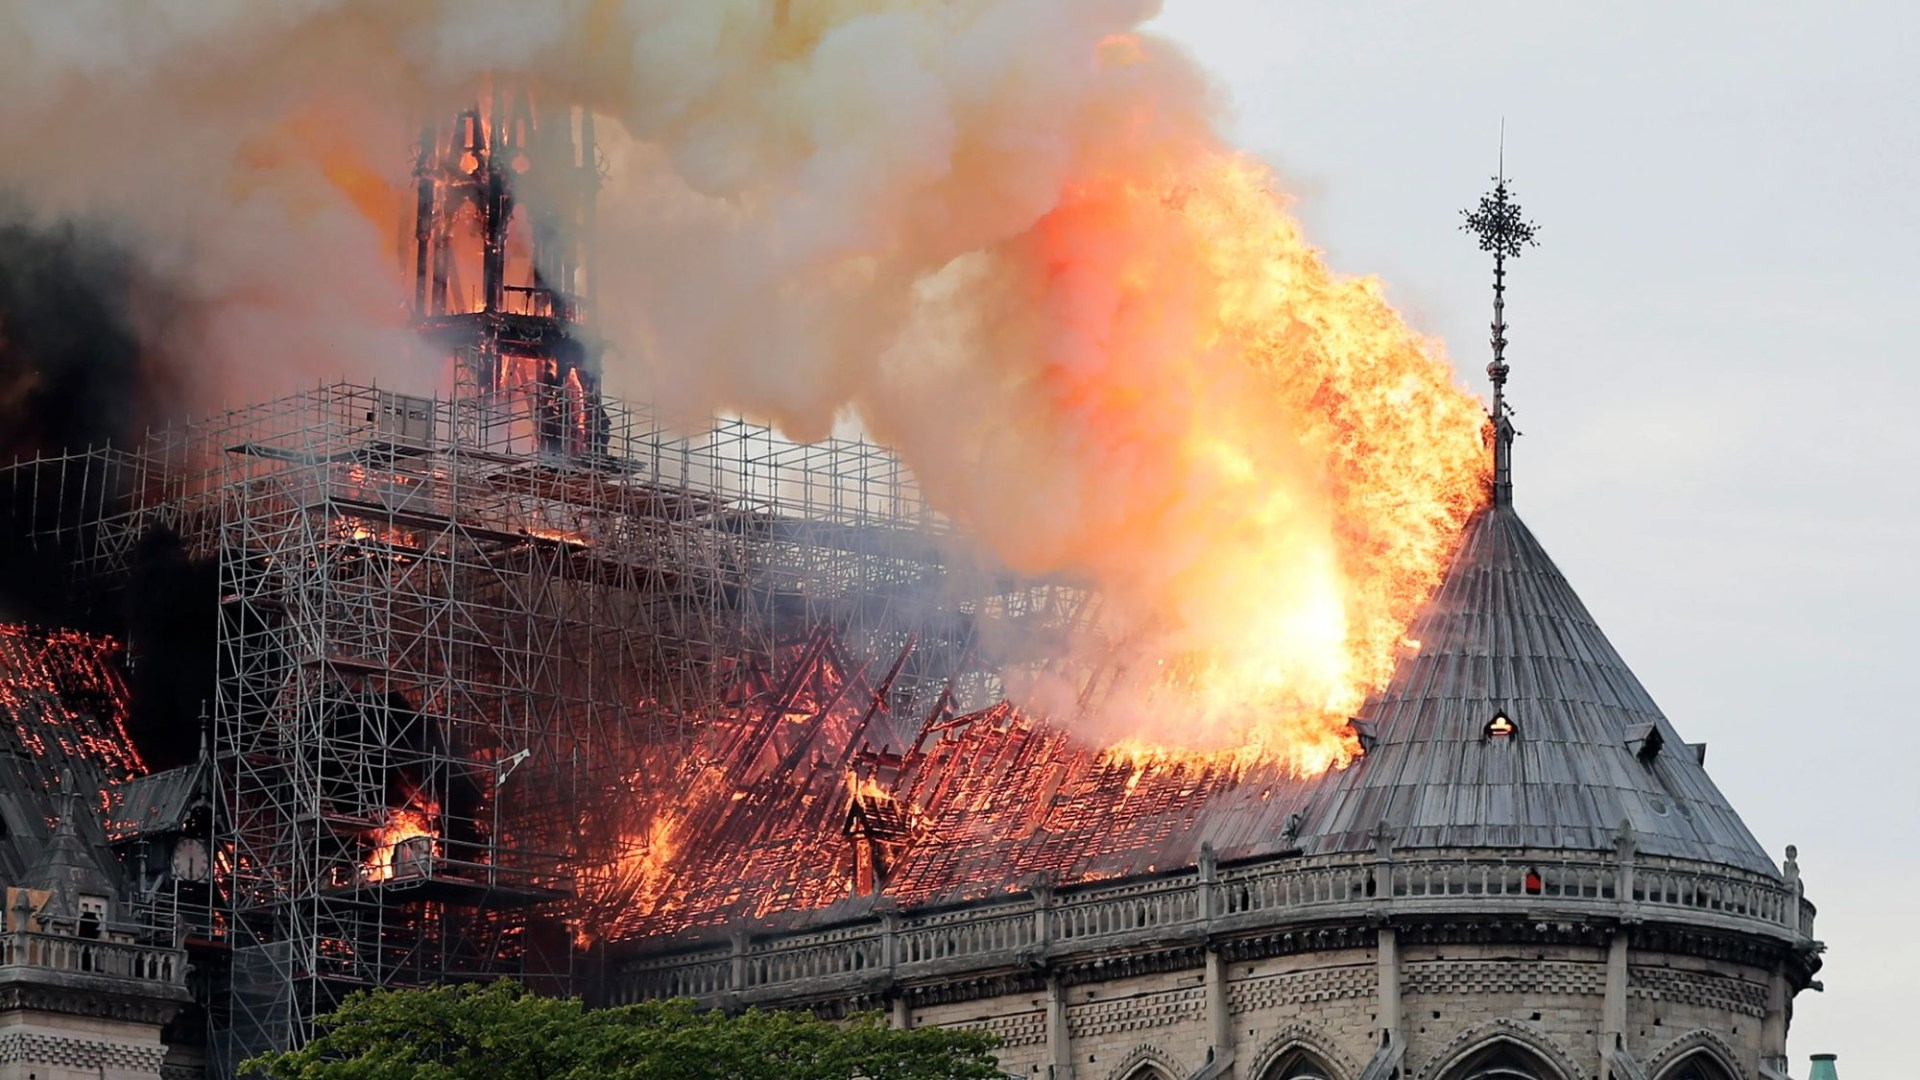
<point>503,1032</point>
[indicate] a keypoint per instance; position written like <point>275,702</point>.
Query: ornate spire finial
<point>1500,228</point>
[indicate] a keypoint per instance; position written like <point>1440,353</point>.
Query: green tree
<point>503,1032</point>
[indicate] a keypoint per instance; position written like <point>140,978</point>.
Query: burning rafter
<point>791,806</point>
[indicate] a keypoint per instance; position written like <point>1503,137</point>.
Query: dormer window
<point>1646,742</point>
<point>1500,727</point>
<point>1363,733</point>
<point>93,915</point>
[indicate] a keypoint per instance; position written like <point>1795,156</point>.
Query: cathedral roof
<point>159,802</point>
<point>1589,750</point>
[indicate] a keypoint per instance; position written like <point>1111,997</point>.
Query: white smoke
<point>814,208</point>
<point>786,172</point>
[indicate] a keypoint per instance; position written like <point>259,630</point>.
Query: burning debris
<point>807,798</point>
<point>405,846</point>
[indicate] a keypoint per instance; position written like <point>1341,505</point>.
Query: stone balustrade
<point>90,956</point>
<point>1197,905</point>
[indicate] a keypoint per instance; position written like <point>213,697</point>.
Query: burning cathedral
<point>515,681</point>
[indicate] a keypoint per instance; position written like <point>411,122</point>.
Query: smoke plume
<point>1004,235</point>
<point>73,372</point>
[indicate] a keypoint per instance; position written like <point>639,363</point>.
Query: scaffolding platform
<point>429,618</point>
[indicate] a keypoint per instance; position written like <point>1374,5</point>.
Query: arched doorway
<point>1147,1070</point>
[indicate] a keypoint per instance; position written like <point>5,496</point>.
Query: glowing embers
<point>753,816</point>
<point>804,798</point>
<point>1500,728</point>
<point>66,704</point>
<point>370,532</point>
<point>880,830</point>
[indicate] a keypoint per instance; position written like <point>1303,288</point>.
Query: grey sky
<point>1713,362</point>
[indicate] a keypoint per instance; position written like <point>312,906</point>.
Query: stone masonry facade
<point>1348,974</point>
<point>1551,998</point>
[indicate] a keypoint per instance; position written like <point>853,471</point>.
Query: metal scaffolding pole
<point>458,670</point>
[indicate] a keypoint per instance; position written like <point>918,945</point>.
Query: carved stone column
<point>737,961</point>
<point>1773,1028</point>
<point>1613,1018</point>
<point>902,1014</point>
<point>1042,889</point>
<point>1392,1028</point>
<point>1059,1048</point>
<point>1219,1011</point>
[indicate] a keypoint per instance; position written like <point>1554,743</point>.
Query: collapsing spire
<point>1501,229</point>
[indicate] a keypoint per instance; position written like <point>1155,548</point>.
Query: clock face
<point>190,860</point>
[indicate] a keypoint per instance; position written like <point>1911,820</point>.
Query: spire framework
<point>1501,229</point>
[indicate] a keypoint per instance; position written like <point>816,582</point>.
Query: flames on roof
<point>63,706</point>
<point>813,797</point>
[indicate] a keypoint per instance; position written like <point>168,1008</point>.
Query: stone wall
<point>85,1009</point>
<point>1550,999</point>
<point>1591,969</point>
<point>53,1046</point>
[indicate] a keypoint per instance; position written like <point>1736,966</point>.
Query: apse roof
<point>1505,634</point>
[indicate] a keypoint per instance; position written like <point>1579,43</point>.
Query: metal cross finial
<point>1498,224</point>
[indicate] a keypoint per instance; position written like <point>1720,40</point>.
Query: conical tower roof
<point>69,866</point>
<point>1589,750</point>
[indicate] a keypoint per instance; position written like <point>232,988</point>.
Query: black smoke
<point>170,615</point>
<point>74,370</point>
<point>78,371</point>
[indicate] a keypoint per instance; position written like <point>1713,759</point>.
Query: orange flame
<point>395,842</point>
<point>1270,467</point>
<point>866,787</point>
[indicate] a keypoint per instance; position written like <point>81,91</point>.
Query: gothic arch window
<point>1697,1064</point>
<point>1145,1062</point>
<point>1503,1060</point>
<point>1297,1064</point>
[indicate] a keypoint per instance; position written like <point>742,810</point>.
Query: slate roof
<point>158,802</point>
<point>69,866</point>
<point>65,762</point>
<point>1505,632</point>
<point>26,809</point>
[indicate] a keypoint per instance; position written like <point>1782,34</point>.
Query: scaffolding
<point>451,659</point>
